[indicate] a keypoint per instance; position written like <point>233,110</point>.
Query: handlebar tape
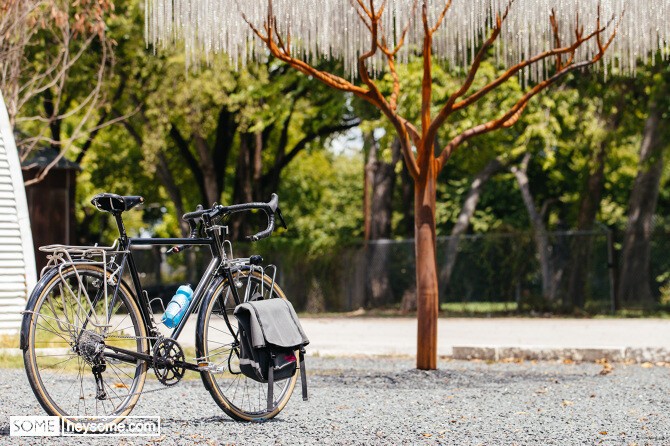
<point>269,208</point>
<point>266,232</point>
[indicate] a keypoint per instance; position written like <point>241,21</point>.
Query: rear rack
<point>62,256</point>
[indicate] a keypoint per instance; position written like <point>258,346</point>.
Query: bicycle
<point>83,317</point>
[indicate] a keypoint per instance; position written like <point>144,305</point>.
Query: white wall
<point>17,258</point>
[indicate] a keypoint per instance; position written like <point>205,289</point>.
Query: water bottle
<point>177,306</point>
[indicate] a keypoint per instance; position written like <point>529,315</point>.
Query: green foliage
<point>321,191</point>
<point>323,196</point>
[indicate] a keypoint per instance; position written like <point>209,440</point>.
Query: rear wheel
<point>64,346</point>
<point>242,398</point>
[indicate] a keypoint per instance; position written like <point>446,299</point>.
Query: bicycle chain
<point>140,393</point>
<point>164,387</point>
<point>119,337</point>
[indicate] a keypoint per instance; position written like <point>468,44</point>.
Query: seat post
<point>120,225</point>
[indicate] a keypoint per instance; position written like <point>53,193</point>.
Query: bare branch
<point>362,68</point>
<point>520,66</point>
<point>557,37</point>
<point>360,14</point>
<point>327,78</point>
<point>365,9</point>
<point>427,82</point>
<point>439,20</point>
<point>406,132</point>
<point>404,31</point>
<point>476,63</point>
<point>510,118</point>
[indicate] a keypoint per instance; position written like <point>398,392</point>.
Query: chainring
<point>168,354</point>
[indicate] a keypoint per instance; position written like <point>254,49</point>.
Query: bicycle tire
<point>51,321</point>
<point>243,399</point>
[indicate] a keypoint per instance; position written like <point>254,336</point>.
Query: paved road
<point>397,336</point>
<point>384,401</point>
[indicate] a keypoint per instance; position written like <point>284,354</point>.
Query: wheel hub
<point>90,346</point>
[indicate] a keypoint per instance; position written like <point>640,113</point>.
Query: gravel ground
<point>386,401</point>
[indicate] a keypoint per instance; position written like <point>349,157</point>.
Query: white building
<point>17,259</point>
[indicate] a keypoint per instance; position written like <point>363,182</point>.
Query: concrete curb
<point>591,354</point>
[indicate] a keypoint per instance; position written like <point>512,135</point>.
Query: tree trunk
<point>378,250</point>
<point>465,215</point>
<point>540,233</point>
<point>635,279</point>
<point>381,205</point>
<point>369,141</point>
<point>257,167</point>
<point>208,170</point>
<point>426,268</point>
<point>382,177</point>
<point>579,264</point>
<point>408,302</point>
<point>242,192</point>
<point>407,207</point>
<point>463,221</point>
<point>164,174</point>
<point>166,178</point>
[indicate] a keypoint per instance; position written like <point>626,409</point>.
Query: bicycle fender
<point>30,305</point>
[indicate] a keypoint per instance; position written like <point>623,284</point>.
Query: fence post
<point>611,265</point>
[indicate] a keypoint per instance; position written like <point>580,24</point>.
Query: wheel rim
<point>243,396</point>
<point>63,353</point>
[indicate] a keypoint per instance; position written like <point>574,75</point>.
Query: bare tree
<point>43,45</point>
<point>425,165</point>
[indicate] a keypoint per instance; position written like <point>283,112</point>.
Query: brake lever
<point>194,233</point>
<point>281,218</point>
<point>178,248</point>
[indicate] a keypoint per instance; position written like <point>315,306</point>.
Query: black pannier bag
<point>270,333</point>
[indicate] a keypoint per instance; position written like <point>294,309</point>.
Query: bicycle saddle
<point>115,204</point>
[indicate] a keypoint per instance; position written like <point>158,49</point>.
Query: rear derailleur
<point>90,347</point>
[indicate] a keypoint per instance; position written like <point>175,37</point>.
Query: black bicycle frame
<point>199,291</point>
<point>126,244</point>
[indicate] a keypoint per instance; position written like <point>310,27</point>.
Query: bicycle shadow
<point>179,422</point>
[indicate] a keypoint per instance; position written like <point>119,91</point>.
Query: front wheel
<point>240,397</point>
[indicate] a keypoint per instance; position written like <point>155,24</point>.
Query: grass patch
<point>447,309</point>
<point>11,361</point>
<point>9,341</point>
<point>14,359</point>
<point>478,308</point>
<point>637,313</point>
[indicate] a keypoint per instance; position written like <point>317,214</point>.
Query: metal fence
<point>577,270</point>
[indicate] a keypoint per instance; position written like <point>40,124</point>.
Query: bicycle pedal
<point>211,368</point>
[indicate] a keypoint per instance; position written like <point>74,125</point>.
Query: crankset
<point>168,361</point>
